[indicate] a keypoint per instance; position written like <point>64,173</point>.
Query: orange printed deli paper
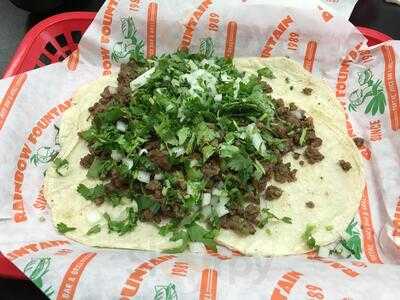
<point>314,33</point>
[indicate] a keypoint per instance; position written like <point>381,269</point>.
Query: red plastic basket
<point>52,40</point>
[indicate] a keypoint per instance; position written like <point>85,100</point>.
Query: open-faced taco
<point>252,154</point>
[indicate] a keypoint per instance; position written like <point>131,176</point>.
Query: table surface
<point>375,14</point>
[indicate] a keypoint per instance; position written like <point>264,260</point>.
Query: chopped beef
<point>292,106</point>
<point>315,142</point>
<point>301,163</point>
<point>237,224</point>
<point>152,145</point>
<point>97,108</point>
<point>313,155</point>
<point>310,204</point>
<point>345,165</point>
<point>154,187</point>
<point>127,73</point>
<point>251,197</point>
<point>118,181</point>
<point>296,155</point>
<point>260,185</point>
<point>279,131</point>
<point>273,192</point>
<point>211,168</point>
<point>147,215</point>
<point>283,173</point>
<point>266,87</point>
<point>359,142</point>
<point>160,159</point>
<point>106,96</point>
<point>307,91</point>
<point>87,160</point>
<point>251,213</point>
<point>269,172</point>
<point>173,210</point>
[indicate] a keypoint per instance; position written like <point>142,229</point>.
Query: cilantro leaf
<point>124,226</point>
<point>303,136</point>
<point>207,152</point>
<point>99,168</point>
<point>183,134</point>
<point>91,194</point>
<point>198,234</point>
<point>265,72</point>
<point>95,229</point>
<point>61,165</point>
<point>146,202</point>
<point>267,215</point>
<point>63,228</point>
<point>308,238</point>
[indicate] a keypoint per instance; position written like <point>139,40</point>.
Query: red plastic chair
<point>52,40</point>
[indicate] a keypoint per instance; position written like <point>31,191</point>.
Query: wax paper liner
<point>365,81</point>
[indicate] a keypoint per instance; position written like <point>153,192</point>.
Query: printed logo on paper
<point>351,245</point>
<point>36,270</point>
<point>165,292</point>
<point>130,46</point>
<point>207,47</point>
<point>43,155</point>
<point>370,93</point>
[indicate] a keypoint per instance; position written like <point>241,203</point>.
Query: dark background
<point>15,22</point>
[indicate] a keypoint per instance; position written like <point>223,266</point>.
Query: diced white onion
<point>143,151</point>
<point>121,126</point>
<point>116,155</point>
<point>93,217</point>
<point>218,98</point>
<point>206,199</point>
<point>128,162</point>
<point>221,210</point>
<point>142,79</point>
<point>178,151</point>
<point>158,176</point>
<point>135,206</point>
<point>196,247</point>
<point>143,176</point>
<point>298,113</point>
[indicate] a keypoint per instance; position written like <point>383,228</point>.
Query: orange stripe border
<point>152,29</point>
<point>208,284</point>
<point>10,97</point>
<point>71,278</point>
<point>369,243</point>
<point>230,43</point>
<point>309,57</point>
<point>391,86</point>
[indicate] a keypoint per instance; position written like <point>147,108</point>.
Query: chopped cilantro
<point>265,72</point>
<point>308,238</point>
<point>95,229</point>
<point>124,226</point>
<point>266,216</point>
<point>303,136</point>
<point>61,165</point>
<point>99,168</point>
<point>63,228</point>
<point>91,194</point>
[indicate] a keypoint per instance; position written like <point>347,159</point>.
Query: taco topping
<point>196,142</point>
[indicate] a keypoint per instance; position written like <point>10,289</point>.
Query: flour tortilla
<point>336,196</point>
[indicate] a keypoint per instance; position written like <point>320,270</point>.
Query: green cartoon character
<point>36,269</point>
<point>130,46</point>
<point>370,91</point>
<point>207,47</point>
<point>43,155</point>
<point>165,292</point>
<point>350,246</point>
